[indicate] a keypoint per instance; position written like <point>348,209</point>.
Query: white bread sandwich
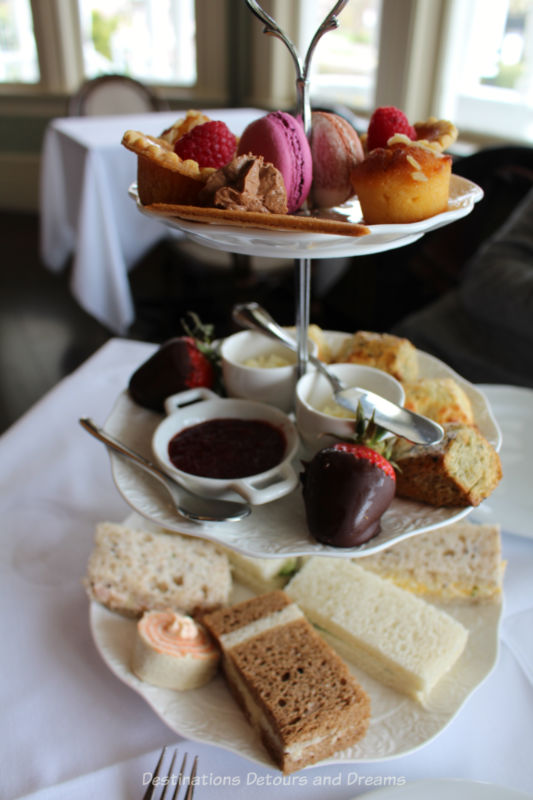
<point>459,563</point>
<point>397,638</point>
<point>132,571</point>
<point>262,574</point>
<point>293,688</point>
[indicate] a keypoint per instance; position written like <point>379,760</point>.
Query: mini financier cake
<point>402,183</point>
<point>293,688</point>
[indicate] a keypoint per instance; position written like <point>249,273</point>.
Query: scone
<point>392,354</point>
<point>402,183</point>
<point>461,470</point>
<point>440,399</point>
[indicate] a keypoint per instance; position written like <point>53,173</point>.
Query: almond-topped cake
<point>402,183</point>
<point>294,690</point>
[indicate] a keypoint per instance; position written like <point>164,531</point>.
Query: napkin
<point>517,633</point>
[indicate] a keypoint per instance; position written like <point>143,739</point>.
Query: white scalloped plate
<point>398,724</point>
<point>511,503</point>
<point>445,789</point>
<point>286,244</point>
<point>278,528</point>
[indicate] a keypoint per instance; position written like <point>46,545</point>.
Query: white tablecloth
<point>86,211</point>
<point>70,729</point>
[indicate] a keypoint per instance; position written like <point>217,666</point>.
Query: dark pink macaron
<point>280,138</point>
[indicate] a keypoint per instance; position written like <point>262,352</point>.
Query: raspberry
<point>211,144</point>
<point>384,123</point>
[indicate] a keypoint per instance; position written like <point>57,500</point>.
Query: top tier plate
<point>286,244</point>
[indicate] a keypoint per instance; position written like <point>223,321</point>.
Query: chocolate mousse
<point>247,183</point>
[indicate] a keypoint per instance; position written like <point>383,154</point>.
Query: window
<point>487,75</point>
<point>179,46</point>
<point>344,64</point>
<point>151,40</point>
<point>18,52</point>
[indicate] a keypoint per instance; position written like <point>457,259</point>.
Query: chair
<point>114,94</point>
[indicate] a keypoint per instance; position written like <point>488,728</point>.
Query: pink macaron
<point>335,149</point>
<point>280,138</point>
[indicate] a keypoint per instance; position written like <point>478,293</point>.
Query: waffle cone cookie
<point>162,176</point>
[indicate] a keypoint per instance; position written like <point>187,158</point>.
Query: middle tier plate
<point>278,528</point>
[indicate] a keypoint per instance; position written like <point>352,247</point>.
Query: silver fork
<point>166,778</point>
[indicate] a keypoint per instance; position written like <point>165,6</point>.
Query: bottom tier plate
<point>398,724</point>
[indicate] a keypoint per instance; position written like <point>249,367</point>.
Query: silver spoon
<point>196,508</point>
<point>388,415</point>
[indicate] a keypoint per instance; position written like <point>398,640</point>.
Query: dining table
<point>85,214</point>
<point>72,729</point>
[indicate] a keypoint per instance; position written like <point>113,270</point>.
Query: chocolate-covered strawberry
<point>346,489</point>
<point>181,363</point>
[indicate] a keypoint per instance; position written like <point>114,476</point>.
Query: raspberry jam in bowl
<point>217,447</point>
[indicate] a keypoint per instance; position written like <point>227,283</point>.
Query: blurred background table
<point>86,212</point>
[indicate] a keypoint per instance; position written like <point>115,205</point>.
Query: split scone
<point>461,470</point>
<point>293,688</point>
<point>440,399</point>
<point>397,638</point>
<point>461,563</point>
<point>392,354</point>
<point>132,571</point>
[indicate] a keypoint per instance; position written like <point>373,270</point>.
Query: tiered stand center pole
<point>303,265</point>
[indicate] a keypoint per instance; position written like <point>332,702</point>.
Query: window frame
<point>59,48</point>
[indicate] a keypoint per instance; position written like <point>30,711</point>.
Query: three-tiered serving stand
<point>282,519</point>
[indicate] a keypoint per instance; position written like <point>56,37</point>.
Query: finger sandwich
<point>262,574</point>
<point>396,637</point>
<point>459,563</point>
<point>291,685</point>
